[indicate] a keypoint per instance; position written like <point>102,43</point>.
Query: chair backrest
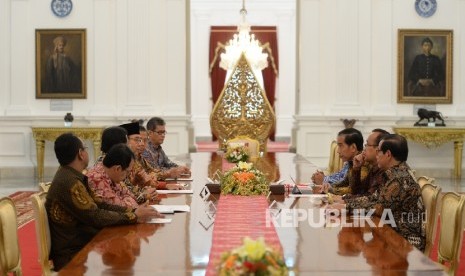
<point>44,186</point>
<point>422,180</point>
<point>10,256</point>
<point>430,195</point>
<point>335,162</point>
<point>450,237</point>
<point>42,231</point>
<point>252,144</point>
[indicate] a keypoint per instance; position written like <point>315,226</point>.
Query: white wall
<point>338,59</point>
<point>348,69</point>
<point>136,68</point>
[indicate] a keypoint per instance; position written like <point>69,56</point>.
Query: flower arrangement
<point>237,153</point>
<point>253,257</point>
<point>244,180</point>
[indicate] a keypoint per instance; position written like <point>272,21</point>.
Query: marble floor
<point>9,186</point>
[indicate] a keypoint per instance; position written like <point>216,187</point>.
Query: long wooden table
<point>182,247</point>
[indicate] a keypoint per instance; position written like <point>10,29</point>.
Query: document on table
<point>160,220</point>
<point>170,209</point>
<point>305,195</point>
<point>161,192</point>
<point>180,179</point>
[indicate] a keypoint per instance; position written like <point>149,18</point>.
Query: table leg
<point>458,149</point>
<point>40,146</point>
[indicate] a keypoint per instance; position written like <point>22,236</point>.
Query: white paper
<point>170,209</point>
<point>161,192</point>
<point>180,179</point>
<point>322,196</point>
<point>303,195</point>
<point>160,220</point>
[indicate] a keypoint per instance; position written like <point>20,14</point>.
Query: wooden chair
<point>335,162</point>
<point>44,186</point>
<point>252,144</point>
<point>452,223</point>
<point>422,180</point>
<point>10,256</point>
<point>430,195</point>
<point>42,231</point>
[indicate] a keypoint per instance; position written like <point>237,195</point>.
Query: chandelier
<point>244,42</point>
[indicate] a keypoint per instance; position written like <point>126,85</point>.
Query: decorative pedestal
<point>42,134</point>
<point>434,137</point>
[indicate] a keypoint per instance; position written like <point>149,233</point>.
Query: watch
<point>425,8</point>
<point>61,8</point>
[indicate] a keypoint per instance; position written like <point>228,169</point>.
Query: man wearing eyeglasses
<point>141,176</point>
<point>75,215</point>
<point>156,156</point>
<point>398,196</point>
<point>366,184</point>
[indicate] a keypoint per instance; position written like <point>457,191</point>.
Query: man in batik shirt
<point>112,136</point>
<point>73,215</point>
<point>349,143</point>
<point>156,156</point>
<point>398,196</point>
<point>365,175</point>
<point>106,177</point>
<point>142,176</point>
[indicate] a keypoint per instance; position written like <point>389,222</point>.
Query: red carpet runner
<point>236,218</point>
<point>29,253</point>
<point>27,233</point>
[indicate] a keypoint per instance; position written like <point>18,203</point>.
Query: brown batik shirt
<point>74,217</point>
<point>351,184</point>
<point>400,194</point>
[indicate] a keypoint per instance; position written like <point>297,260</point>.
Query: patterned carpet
<point>23,206</point>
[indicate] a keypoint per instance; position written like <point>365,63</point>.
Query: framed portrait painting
<point>61,64</point>
<point>424,66</point>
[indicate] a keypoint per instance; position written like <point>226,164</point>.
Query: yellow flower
<point>244,165</point>
<point>253,257</point>
<point>254,249</point>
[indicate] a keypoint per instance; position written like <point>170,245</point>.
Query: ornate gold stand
<point>42,134</point>
<point>433,137</point>
<point>242,108</point>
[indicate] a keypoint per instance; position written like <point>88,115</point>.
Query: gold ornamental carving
<point>42,134</point>
<point>433,137</point>
<point>52,133</point>
<point>242,108</point>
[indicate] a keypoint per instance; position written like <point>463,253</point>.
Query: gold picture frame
<point>61,64</point>
<point>424,79</point>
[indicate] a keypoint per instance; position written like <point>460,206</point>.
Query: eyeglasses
<point>84,148</point>
<point>137,140</point>
<point>368,145</point>
<point>161,132</point>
